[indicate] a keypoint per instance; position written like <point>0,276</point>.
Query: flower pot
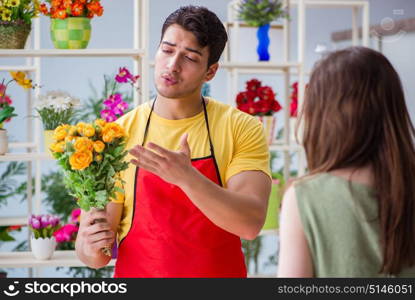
<point>43,248</point>
<point>269,127</point>
<point>14,36</point>
<point>4,142</point>
<point>48,140</point>
<point>263,42</point>
<point>70,33</point>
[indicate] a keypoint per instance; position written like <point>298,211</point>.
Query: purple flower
<point>108,115</point>
<point>54,221</point>
<point>44,221</point>
<point>35,223</point>
<point>123,75</point>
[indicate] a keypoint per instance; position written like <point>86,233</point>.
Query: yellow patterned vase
<point>70,33</point>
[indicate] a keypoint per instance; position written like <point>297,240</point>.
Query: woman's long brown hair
<point>354,116</point>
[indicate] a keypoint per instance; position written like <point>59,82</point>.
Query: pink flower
<point>66,233</point>
<point>124,76</point>
<point>108,115</point>
<point>75,215</point>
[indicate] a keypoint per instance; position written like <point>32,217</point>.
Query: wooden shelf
<point>27,260</point>
<point>259,65</point>
<point>10,221</point>
<point>73,53</point>
<point>331,3</point>
<point>279,147</point>
<point>244,25</point>
<point>17,68</point>
<point>25,156</point>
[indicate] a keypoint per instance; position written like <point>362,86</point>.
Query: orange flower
<point>112,131</point>
<point>100,122</point>
<point>70,138</point>
<point>56,3</point>
<point>96,8</point>
<point>83,144</point>
<point>61,132</point>
<point>67,4</point>
<point>58,147</point>
<point>77,9</point>
<point>59,14</point>
<point>88,130</point>
<point>43,9</point>
<point>99,146</point>
<point>98,157</point>
<point>80,160</point>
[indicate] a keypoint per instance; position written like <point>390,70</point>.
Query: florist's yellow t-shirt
<point>238,140</point>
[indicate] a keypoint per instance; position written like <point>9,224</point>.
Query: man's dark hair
<point>204,24</point>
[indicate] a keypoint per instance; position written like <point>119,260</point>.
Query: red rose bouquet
<point>257,100</point>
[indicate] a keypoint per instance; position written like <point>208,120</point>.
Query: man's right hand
<point>97,230</point>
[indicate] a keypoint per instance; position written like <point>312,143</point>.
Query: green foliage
<point>260,12</point>
<point>8,185</point>
<point>95,185</point>
<point>25,11</point>
<point>52,118</point>
<point>85,272</point>
<point>6,112</point>
<point>251,251</point>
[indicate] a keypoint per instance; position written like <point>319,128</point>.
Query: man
<point>199,176</point>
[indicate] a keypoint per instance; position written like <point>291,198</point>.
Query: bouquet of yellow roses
<point>92,157</point>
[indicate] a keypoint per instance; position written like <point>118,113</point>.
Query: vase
<point>43,248</point>
<point>48,141</point>
<point>70,33</point>
<point>14,36</point>
<point>268,122</point>
<point>263,42</point>
<point>4,142</point>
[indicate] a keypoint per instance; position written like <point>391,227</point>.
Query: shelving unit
<point>286,67</point>
<point>34,155</point>
<point>141,63</point>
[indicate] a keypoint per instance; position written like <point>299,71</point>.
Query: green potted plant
<point>16,22</point>
<point>6,108</point>
<point>70,26</point>
<point>55,108</point>
<point>260,13</point>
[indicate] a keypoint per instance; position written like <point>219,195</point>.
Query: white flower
<point>57,100</point>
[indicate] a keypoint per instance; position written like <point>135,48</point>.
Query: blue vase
<point>263,42</point>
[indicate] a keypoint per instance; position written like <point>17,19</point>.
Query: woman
<point>353,214</point>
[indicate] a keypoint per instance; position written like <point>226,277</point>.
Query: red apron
<point>170,236</point>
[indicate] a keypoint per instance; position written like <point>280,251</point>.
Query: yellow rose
<point>99,146</point>
<point>100,122</point>
<point>112,131</point>
<point>70,138</point>
<point>83,144</point>
<point>80,160</point>
<point>88,130</point>
<point>72,131</point>
<point>58,147</point>
<point>80,127</point>
<point>61,132</point>
<point>98,157</point>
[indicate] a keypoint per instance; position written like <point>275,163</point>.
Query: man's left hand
<point>172,166</point>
